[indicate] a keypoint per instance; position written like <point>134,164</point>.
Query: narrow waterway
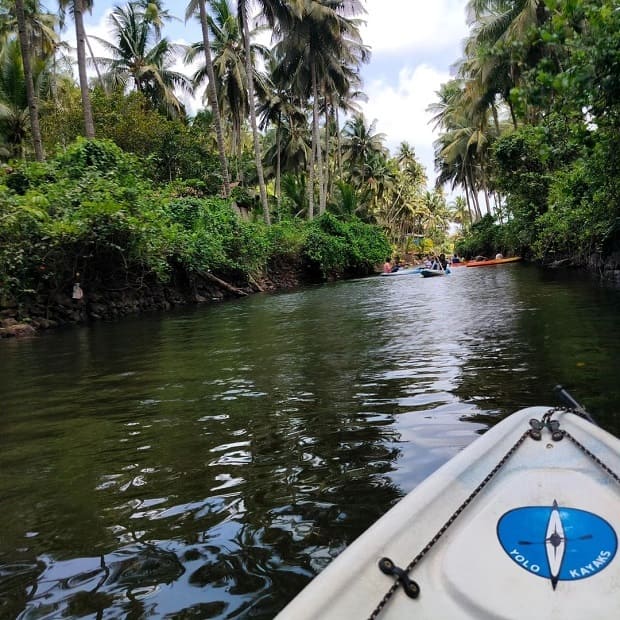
<point>207,463</point>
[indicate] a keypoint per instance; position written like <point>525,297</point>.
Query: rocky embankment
<point>607,267</point>
<point>52,310</point>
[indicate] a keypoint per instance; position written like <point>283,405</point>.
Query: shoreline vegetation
<point>111,190</point>
<point>88,219</point>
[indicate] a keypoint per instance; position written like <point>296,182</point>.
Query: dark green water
<point>207,463</point>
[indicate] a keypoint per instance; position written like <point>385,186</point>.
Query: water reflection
<point>208,463</point>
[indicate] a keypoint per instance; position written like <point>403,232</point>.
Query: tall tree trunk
<point>474,193</point>
<point>512,115</point>
<point>33,104</point>
<point>249,69</point>
<point>471,215</point>
<point>497,209</point>
<point>338,143</point>
<point>239,156</point>
<point>279,164</point>
<point>327,173</point>
<point>316,142</point>
<point>80,36</point>
<point>92,56</point>
<point>212,98</point>
<point>495,119</point>
<point>310,189</point>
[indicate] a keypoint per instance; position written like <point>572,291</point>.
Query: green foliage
<point>334,246</point>
<point>287,238</point>
<point>169,149</point>
<point>556,69</point>
<point>97,217</point>
<point>101,157</point>
<point>215,239</point>
<point>294,195</point>
<point>485,237</point>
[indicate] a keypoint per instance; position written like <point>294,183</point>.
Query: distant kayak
<point>407,271</point>
<point>431,273</point>
<point>493,261</point>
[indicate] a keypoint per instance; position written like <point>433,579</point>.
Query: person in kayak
<point>387,266</point>
<point>440,263</point>
<point>396,266</point>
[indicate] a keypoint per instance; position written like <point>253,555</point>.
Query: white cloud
<point>401,111</point>
<point>406,25</point>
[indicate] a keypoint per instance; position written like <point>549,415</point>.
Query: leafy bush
<point>336,247</point>
<point>485,237</point>
<point>102,157</point>
<point>89,211</point>
<point>287,239</point>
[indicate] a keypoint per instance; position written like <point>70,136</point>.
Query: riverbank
<point>50,311</point>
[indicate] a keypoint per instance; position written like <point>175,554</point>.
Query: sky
<point>414,44</point>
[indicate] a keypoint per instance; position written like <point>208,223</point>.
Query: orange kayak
<point>493,261</point>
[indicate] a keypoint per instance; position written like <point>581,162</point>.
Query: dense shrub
<point>287,239</point>
<point>485,237</point>
<point>90,211</point>
<point>335,246</point>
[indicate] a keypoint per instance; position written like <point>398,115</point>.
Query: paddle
<point>572,403</point>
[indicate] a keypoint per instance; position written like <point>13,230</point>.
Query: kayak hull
<point>431,273</point>
<point>402,272</point>
<point>494,261</point>
<point>538,541</point>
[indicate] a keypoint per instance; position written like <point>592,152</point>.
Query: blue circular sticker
<point>557,543</point>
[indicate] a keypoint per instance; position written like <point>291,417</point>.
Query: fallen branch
<point>256,284</point>
<point>221,283</point>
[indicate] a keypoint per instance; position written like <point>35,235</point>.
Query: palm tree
<point>360,144</point>
<point>199,6</point>
<point>459,213</point>
<point>319,52</point>
<point>33,105</point>
<point>77,7</point>
<point>155,14</point>
<point>291,149</point>
<point>242,9</point>
<point>461,151</point>
<point>14,112</point>
<point>279,15</point>
<point>491,54</point>
<point>348,103</point>
<point>503,20</point>
<point>40,26</point>
<point>408,163</point>
<point>148,68</point>
<point>228,53</point>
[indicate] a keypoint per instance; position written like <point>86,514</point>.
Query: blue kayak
<point>431,273</point>
<point>407,271</point>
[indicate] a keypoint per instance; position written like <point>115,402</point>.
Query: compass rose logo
<point>557,543</point>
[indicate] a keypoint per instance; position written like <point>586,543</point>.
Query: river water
<point>207,463</point>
